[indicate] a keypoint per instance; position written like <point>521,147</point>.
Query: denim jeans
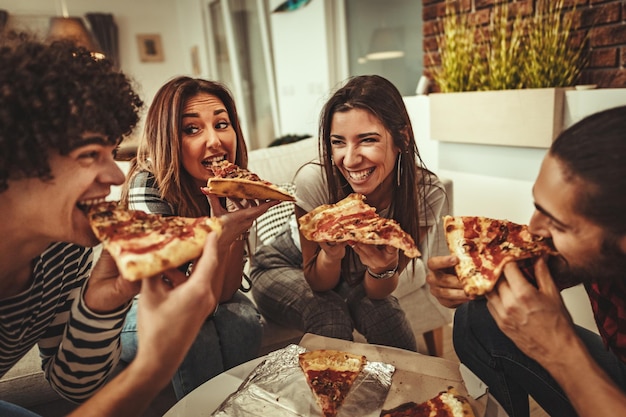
<point>230,337</point>
<point>511,375</point>
<point>12,410</point>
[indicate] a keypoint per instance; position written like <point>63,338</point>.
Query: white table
<point>207,397</point>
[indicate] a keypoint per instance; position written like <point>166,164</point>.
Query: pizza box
<point>417,377</point>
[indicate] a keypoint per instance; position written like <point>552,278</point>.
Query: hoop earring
<point>399,170</point>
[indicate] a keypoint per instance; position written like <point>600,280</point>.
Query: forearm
<point>322,272</point>
<point>588,387</point>
<point>378,289</point>
<point>234,270</point>
<point>129,393</point>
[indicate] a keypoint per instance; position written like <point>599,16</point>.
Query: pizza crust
<point>246,189</point>
<point>143,244</point>
<point>330,375</point>
<point>351,219</point>
<point>447,403</point>
<point>484,246</point>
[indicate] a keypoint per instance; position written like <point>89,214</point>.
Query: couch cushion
<point>272,221</point>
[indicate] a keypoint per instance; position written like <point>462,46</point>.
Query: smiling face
<point>82,178</point>
<point>207,136</point>
<point>586,247</point>
<point>365,154</point>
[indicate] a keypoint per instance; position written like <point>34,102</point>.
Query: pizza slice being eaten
<point>484,245</point>
<point>447,403</point>
<point>144,244</point>
<point>230,180</point>
<point>351,219</point>
<point>330,374</point>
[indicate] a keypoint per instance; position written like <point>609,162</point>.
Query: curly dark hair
<point>50,95</point>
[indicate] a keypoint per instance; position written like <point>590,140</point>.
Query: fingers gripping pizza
<point>330,374</point>
<point>143,244</point>
<point>445,404</point>
<point>351,219</point>
<point>230,180</point>
<point>485,245</point>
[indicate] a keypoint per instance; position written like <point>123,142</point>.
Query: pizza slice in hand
<point>351,219</point>
<point>485,245</point>
<point>445,404</point>
<point>230,180</point>
<point>143,244</point>
<point>330,374</point>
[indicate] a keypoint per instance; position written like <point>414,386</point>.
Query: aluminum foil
<point>277,387</point>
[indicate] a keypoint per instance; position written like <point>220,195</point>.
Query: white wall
<point>178,22</point>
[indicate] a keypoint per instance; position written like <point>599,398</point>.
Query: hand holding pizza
<point>443,282</point>
<point>169,316</point>
<point>535,319</point>
<point>106,289</point>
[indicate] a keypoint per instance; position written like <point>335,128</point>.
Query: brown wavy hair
<point>160,148</point>
<point>50,95</point>
<point>381,98</point>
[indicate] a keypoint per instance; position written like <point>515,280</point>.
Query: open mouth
<point>208,162</point>
<point>86,205</point>
<point>360,175</point>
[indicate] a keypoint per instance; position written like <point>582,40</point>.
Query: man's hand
<point>106,290</point>
<point>443,282</point>
<point>535,319</point>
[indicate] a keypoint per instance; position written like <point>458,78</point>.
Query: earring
<point>399,170</point>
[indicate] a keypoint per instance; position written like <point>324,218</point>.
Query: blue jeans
<point>12,410</point>
<point>511,375</point>
<point>230,337</point>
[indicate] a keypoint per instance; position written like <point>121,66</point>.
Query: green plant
<point>551,58</point>
<point>518,52</point>
<point>505,56</point>
<point>461,68</point>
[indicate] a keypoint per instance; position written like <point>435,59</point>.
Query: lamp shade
<point>386,43</point>
<point>73,28</point>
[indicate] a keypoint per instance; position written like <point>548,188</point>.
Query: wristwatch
<point>383,275</point>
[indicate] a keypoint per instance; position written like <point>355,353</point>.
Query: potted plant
<point>506,81</point>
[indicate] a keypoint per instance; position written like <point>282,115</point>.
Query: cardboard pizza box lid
<point>417,377</point>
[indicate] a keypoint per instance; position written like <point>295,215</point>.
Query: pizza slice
<point>445,404</point>
<point>143,244</point>
<point>230,180</point>
<point>330,374</point>
<point>351,219</point>
<point>485,245</point>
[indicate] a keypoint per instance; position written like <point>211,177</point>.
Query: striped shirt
<point>78,347</point>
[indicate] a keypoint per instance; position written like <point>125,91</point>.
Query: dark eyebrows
<point>360,135</point>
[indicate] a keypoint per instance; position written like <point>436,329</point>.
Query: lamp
<point>386,43</point>
<point>73,28</point>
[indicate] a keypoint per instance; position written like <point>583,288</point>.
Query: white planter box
<point>526,117</point>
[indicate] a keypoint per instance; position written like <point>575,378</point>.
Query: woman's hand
<point>378,258</point>
<point>443,282</point>
<point>106,290</point>
<point>240,219</point>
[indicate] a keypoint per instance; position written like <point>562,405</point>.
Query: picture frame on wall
<point>150,48</point>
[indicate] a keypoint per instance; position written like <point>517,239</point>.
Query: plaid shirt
<point>608,301</point>
<point>144,195</point>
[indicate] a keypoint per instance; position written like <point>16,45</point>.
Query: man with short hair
<point>520,339</point>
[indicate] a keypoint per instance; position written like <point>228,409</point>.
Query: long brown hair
<point>382,99</point>
<point>160,151</point>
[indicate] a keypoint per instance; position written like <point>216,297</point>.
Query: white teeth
<point>360,175</point>
<point>210,161</point>
<point>91,202</point>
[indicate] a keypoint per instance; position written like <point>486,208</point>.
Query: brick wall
<point>603,20</point>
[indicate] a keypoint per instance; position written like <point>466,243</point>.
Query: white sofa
<point>25,384</point>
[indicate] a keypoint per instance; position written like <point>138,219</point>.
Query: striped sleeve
<point>89,349</point>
